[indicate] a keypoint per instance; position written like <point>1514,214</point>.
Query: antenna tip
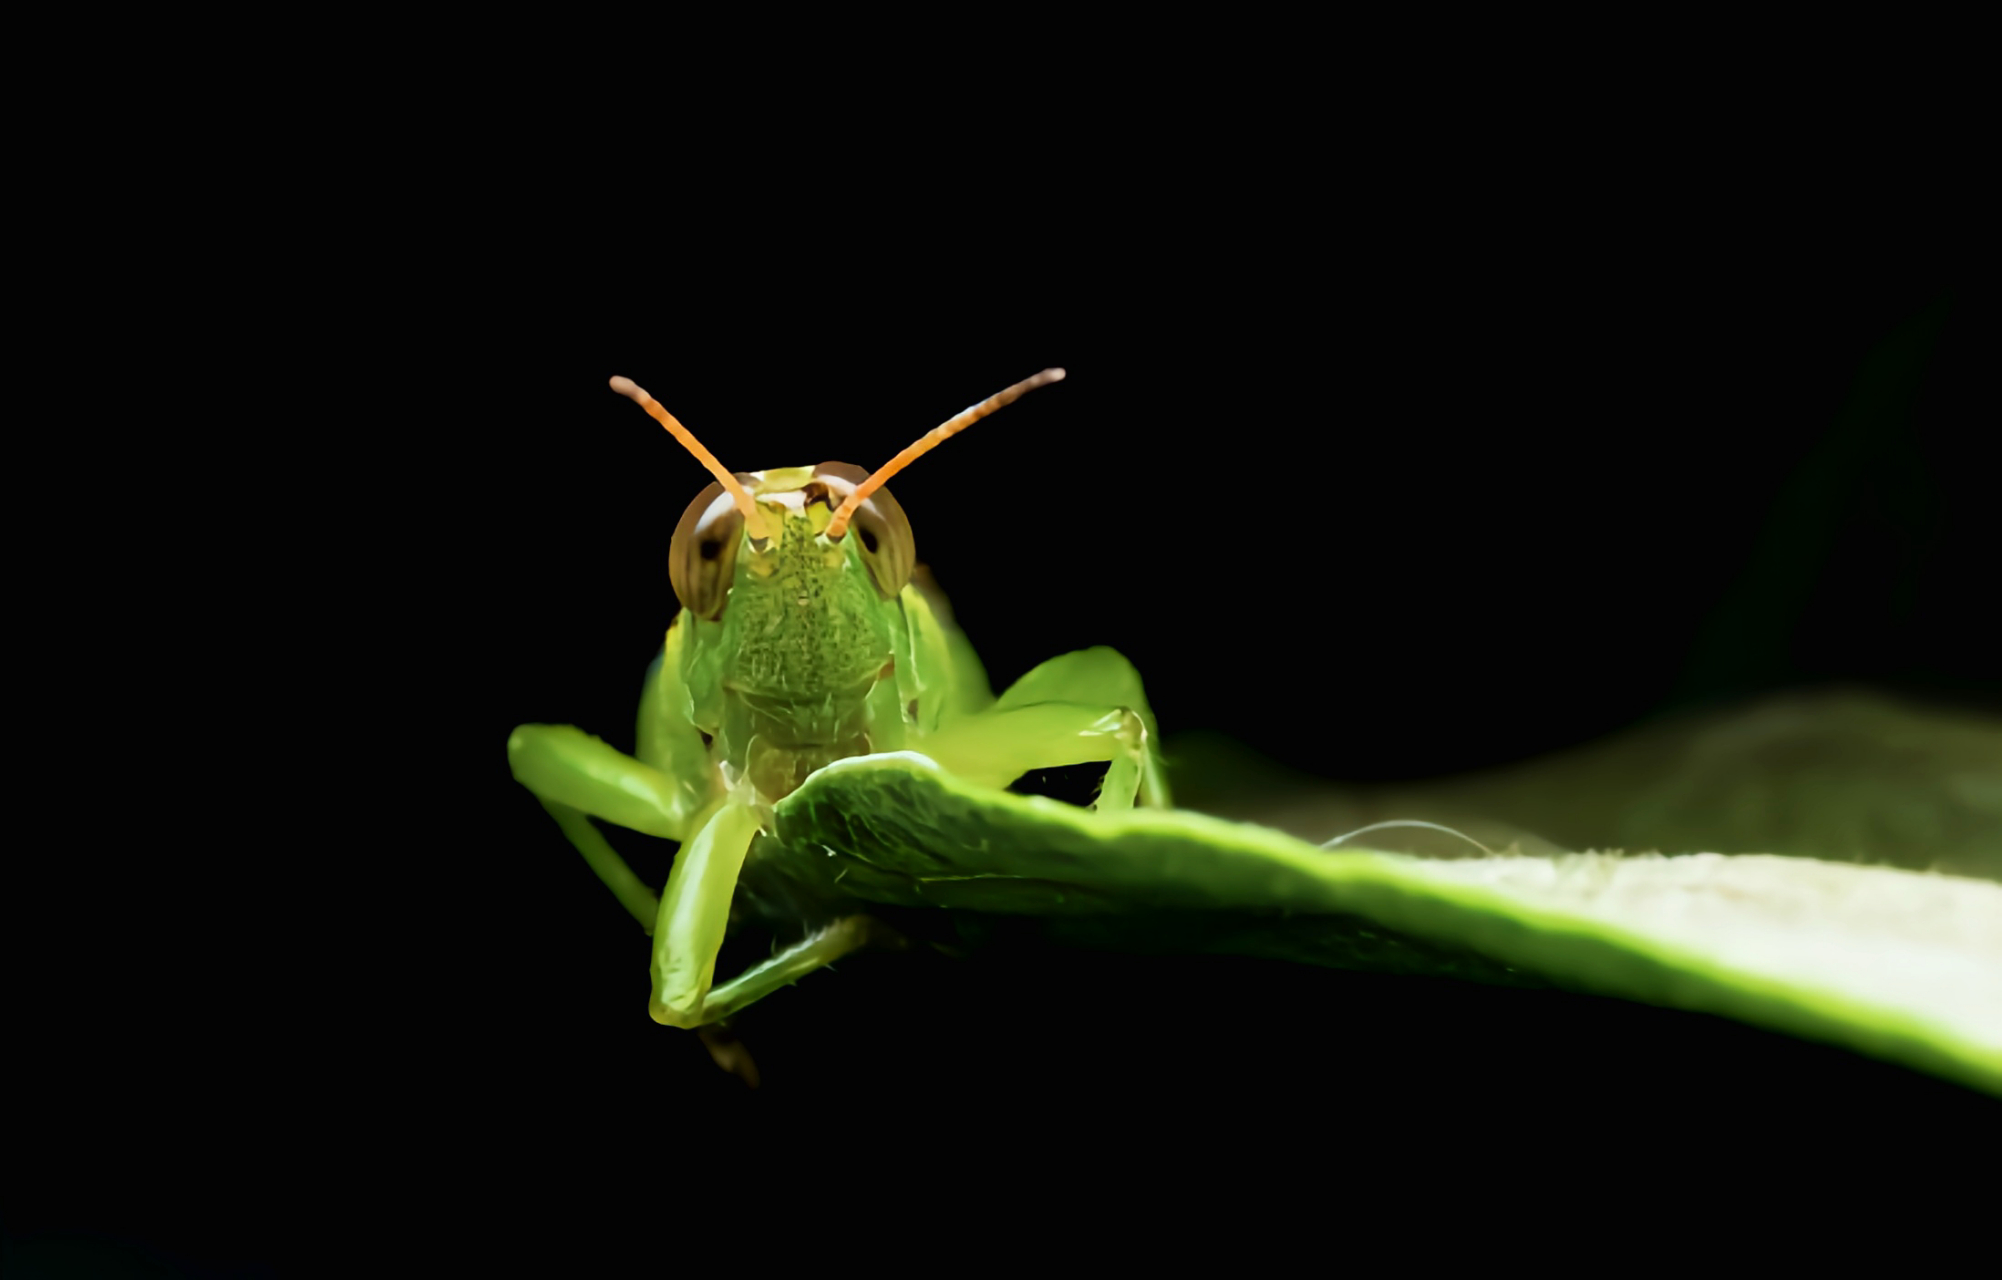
<point>627,387</point>
<point>1051,375</point>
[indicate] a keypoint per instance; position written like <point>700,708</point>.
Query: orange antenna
<point>754,520</point>
<point>931,440</point>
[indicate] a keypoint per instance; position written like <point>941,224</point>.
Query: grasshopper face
<point>798,503</point>
<point>789,634</point>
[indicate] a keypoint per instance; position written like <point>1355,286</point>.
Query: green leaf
<point>1901,964</point>
<point>1836,775</point>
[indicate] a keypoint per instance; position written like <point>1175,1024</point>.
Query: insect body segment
<point>806,635</point>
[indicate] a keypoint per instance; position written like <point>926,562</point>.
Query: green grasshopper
<point>797,645</point>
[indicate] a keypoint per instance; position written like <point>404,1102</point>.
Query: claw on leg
<point>729,1053</point>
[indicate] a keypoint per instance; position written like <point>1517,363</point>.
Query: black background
<point>1385,488</point>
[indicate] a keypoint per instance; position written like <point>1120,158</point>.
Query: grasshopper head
<point>792,524</point>
<point>797,505</point>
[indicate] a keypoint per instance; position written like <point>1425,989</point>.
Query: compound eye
<point>703,555</point>
<point>887,547</point>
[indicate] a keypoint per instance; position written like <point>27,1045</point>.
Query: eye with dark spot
<point>702,556</point>
<point>885,532</point>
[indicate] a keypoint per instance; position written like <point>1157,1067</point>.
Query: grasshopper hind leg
<point>1075,711</point>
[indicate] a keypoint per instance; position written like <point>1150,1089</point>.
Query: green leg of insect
<point>1079,708</point>
<point>668,792</point>
<point>784,968</point>
<point>695,915</point>
<point>575,775</point>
